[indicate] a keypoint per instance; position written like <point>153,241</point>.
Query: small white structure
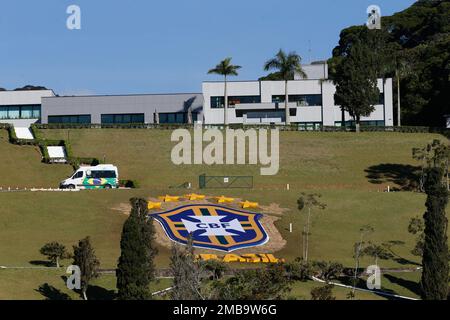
<point>23,133</point>
<point>57,154</point>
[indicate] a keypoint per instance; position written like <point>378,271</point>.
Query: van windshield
<point>78,175</point>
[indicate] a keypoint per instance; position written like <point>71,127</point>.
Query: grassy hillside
<point>21,166</point>
<point>349,170</point>
<point>307,160</point>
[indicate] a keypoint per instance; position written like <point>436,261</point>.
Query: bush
<point>327,270</point>
<point>298,270</point>
<point>323,293</point>
<point>133,184</point>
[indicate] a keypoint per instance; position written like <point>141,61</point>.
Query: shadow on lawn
<point>95,292</point>
<point>52,293</point>
<point>407,284</point>
<point>403,175</point>
<point>41,263</point>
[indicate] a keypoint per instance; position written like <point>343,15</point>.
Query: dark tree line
<point>413,48</point>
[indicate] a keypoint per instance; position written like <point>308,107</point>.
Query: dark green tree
<point>298,270</point>
<point>416,227</point>
<point>434,282</point>
<point>327,270</point>
<point>356,82</point>
<point>135,269</point>
<point>54,252</point>
<point>417,41</point>
<point>84,257</point>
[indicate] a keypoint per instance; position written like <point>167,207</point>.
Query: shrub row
<point>292,127</point>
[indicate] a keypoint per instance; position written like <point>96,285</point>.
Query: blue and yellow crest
<point>213,227</point>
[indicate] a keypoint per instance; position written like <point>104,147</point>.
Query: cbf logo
<point>213,227</point>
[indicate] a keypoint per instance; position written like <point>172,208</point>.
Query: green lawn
<point>51,285</point>
<point>309,160</point>
<point>333,164</point>
<point>21,167</point>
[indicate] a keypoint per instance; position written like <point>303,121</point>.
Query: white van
<point>103,176</point>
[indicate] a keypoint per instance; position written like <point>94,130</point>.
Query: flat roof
<point>124,95</point>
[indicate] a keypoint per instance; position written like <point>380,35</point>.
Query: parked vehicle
<point>104,176</point>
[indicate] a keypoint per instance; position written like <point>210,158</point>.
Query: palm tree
<point>225,68</point>
<point>287,66</point>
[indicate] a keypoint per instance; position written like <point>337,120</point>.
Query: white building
<point>311,101</point>
<point>311,104</point>
<point>22,107</point>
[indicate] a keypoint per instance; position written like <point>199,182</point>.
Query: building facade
<point>22,108</point>
<point>311,105</point>
<point>311,101</point>
<point>146,108</point>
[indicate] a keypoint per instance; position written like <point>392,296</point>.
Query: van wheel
<point>108,186</point>
<point>71,187</point>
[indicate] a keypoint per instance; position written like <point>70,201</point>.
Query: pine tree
<point>434,281</point>
<point>136,269</point>
<point>85,259</point>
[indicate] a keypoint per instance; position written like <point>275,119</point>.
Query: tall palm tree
<point>287,66</point>
<point>225,68</point>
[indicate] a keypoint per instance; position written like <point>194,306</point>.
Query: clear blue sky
<point>163,46</point>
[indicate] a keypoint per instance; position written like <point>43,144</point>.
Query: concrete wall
<point>98,105</point>
<point>29,97</point>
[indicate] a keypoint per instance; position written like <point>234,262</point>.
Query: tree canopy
<point>416,43</point>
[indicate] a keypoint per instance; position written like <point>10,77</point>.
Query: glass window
<point>301,99</point>
<point>123,118</point>
<point>14,112</point>
<point>36,112</point>
<point>26,112</point>
<point>219,102</point>
<point>70,119</point>
<point>3,112</point>
<point>107,118</point>
<point>78,175</point>
<point>180,118</point>
<point>171,118</point>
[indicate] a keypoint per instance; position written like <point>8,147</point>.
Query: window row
<point>74,119</point>
<point>123,118</point>
<point>302,100</point>
<point>371,123</point>
<point>219,102</point>
<point>176,117</point>
<point>20,112</point>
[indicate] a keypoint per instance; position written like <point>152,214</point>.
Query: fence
<point>225,182</point>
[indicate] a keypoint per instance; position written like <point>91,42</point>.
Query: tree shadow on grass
<point>396,257</point>
<point>52,293</point>
<point>407,284</point>
<point>362,284</point>
<point>41,263</point>
<point>95,292</point>
<point>405,176</point>
<point>100,293</point>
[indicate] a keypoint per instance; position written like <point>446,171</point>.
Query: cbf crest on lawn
<point>213,227</point>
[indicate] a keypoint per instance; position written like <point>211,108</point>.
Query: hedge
<point>281,127</point>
